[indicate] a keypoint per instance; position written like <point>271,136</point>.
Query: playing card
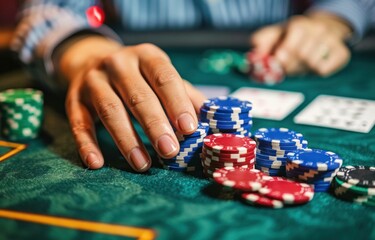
<point>211,91</point>
<point>351,114</point>
<point>270,104</point>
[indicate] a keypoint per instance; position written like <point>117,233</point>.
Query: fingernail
<point>186,123</point>
<point>166,145</point>
<point>91,159</point>
<point>139,159</point>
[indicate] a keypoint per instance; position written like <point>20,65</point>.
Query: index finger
<point>169,87</point>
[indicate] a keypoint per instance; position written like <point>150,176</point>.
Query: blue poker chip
<point>269,157</point>
<point>206,114</point>
<point>227,122</point>
<point>274,167</point>
<point>227,104</point>
<point>321,189</point>
<point>259,151</point>
<point>269,163</point>
<point>272,152</point>
<point>303,144</point>
<point>278,136</point>
<point>180,169</point>
<point>288,148</point>
<point>267,169</point>
<point>230,127</point>
<point>202,129</point>
<point>190,142</point>
<point>315,159</point>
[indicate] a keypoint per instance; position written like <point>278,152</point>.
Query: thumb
<point>265,39</point>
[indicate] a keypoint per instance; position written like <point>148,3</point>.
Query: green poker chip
<point>21,112</point>
<point>355,189</point>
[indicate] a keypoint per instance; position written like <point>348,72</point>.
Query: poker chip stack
<point>21,113</point>
<point>226,150</point>
<point>355,184</point>
<point>227,115</point>
<point>265,191</point>
<point>265,69</point>
<point>273,144</point>
<point>190,149</point>
<point>313,166</point>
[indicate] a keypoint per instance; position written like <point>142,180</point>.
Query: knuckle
<point>107,109</point>
<point>78,128</point>
<point>320,28</point>
<point>151,124</point>
<point>148,47</point>
<point>139,97</point>
<point>113,60</point>
<point>163,76</point>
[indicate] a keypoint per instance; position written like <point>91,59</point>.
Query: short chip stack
<point>313,166</point>
<point>265,69</point>
<point>227,115</point>
<point>21,113</point>
<point>261,190</point>
<point>355,184</point>
<point>190,149</point>
<point>226,150</point>
<point>272,146</point>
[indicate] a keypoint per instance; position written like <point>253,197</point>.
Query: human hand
<point>107,79</point>
<point>314,42</point>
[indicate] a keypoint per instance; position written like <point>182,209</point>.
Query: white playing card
<point>270,104</point>
<point>211,91</point>
<point>351,114</point>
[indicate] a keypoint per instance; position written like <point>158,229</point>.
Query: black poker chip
<point>358,175</point>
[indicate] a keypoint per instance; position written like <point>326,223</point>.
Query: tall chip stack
<point>355,184</point>
<point>226,150</point>
<point>273,144</point>
<point>316,167</point>
<point>227,115</point>
<point>190,149</point>
<point>21,113</point>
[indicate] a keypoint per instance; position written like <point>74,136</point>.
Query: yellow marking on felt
<point>112,229</point>
<point>17,147</point>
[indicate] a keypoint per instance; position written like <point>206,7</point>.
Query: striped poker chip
<point>315,159</point>
<point>260,200</point>
<point>225,104</point>
<point>226,142</point>
<point>287,191</point>
<point>358,175</point>
<point>278,136</point>
<point>227,155</point>
<point>240,178</point>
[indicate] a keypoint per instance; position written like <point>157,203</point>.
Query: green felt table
<point>48,178</point>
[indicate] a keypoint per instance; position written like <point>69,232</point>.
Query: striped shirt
<point>46,23</point>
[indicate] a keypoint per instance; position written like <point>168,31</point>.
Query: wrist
<point>81,52</point>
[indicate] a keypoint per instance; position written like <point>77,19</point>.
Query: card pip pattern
<point>351,114</point>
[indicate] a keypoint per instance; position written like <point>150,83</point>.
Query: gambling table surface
<point>46,193</point>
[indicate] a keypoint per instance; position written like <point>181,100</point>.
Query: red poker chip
<point>223,159</point>
<point>260,200</point>
<point>229,143</point>
<point>215,168</point>
<point>287,191</point>
<point>240,178</point>
<point>209,163</point>
<point>228,155</point>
